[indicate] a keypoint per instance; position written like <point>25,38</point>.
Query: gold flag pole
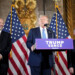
<point>56,6</point>
<point>11,23</point>
<point>56,21</point>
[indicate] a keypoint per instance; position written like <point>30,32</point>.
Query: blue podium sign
<point>54,44</point>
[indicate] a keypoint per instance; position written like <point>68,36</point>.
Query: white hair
<point>43,16</point>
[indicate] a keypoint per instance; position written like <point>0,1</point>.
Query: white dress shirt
<point>45,32</point>
<point>0,31</point>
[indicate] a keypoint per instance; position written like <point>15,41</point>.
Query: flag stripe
<point>58,71</point>
<point>9,72</point>
<point>64,66</point>
<point>18,64</point>
<point>63,58</point>
<point>20,59</point>
<point>16,67</point>
<point>64,53</point>
<point>24,45</point>
<point>60,67</point>
<point>29,71</point>
<point>22,49</point>
<point>26,52</point>
<point>12,68</point>
<point>24,38</point>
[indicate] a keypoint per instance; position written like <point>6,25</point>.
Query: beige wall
<point>5,7</point>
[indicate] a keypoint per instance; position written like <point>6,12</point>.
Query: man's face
<point>43,20</point>
<point>1,24</point>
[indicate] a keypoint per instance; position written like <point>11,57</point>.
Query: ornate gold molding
<point>26,13</point>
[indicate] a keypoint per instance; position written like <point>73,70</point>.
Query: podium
<point>54,45</point>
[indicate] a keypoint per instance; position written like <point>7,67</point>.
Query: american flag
<point>18,61</point>
<point>61,66</point>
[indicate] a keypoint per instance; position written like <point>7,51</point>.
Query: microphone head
<point>46,24</point>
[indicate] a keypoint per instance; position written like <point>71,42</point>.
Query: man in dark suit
<point>40,61</point>
<point>5,47</point>
<point>71,60</point>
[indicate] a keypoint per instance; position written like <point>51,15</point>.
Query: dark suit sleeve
<point>6,51</point>
<point>30,40</point>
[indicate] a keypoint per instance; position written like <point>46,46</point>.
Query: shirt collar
<point>42,28</point>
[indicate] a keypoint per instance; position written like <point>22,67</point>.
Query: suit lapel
<point>49,33</point>
<point>38,32</point>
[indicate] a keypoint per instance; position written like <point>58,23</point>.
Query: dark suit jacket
<point>71,56</point>
<point>35,57</point>
<point>5,46</point>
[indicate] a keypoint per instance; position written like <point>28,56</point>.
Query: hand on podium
<point>33,47</point>
<point>71,69</point>
<point>1,56</point>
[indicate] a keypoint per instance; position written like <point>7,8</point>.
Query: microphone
<point>49,28</point>
<point>46,25</point>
